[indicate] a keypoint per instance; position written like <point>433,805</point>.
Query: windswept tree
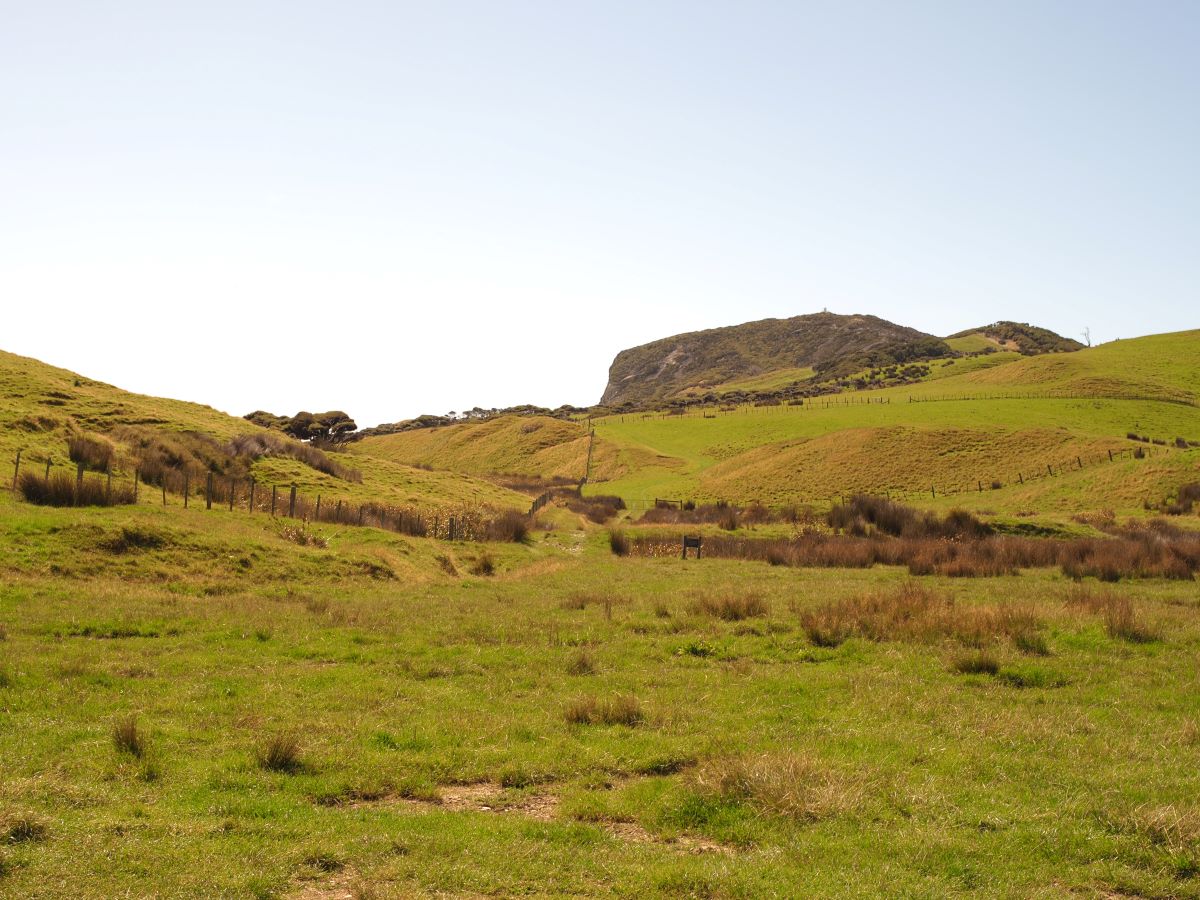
<point>333,426</point>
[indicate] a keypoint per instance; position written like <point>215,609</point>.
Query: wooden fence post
<point>47,475</point>
<point>185,489</point>
<point>292,503</point>
<point>232,490</point>
<point>1049,468</point>
<point>317,518</point>
<point>272,501</point>
<point>1080,461</point>
<point>360,511</point>
<point>251,495</point>
<point>1020,478</point>
<point>1110,456</point>
<point>108,487</point>
<point>164,486</point>
<point>16,469</point>
<point>208,492</point>
<point>337,513</point>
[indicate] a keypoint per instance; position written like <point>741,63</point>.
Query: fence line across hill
<point>183,490</point>
<point>934,491</point>
<point>837,401</point>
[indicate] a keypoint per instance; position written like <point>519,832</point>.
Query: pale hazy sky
<point>395,208</point>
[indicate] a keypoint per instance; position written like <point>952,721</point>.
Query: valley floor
<point>575,724</point>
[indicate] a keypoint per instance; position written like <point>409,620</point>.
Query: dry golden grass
<point>794,785</point>
<point>918,614</point>
<point>620,709</point>
<point>1121,620</point>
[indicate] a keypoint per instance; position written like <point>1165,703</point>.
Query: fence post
<point>272,501</point>
<point>185,489</point>
<point>933,491</point>
<point>79,476</point>
<point>137,475</point>
<point>980,487</point>
<point>47,468</point>
<point>1080,461</point>
<point>232,489</point>
<point>16,469</point>
<point>108,486</point>
<point>360,510</point>
<point>251,495</point>
<point>317,518</point>
<point>164,487</point>
<point>1110,456</point>
<point>208,492</point>
<point>292,504</point>
<point>1049,468</point>
<point>337,514</point>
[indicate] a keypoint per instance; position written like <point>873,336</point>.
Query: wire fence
<point>60,484</point>
<point>840,401</point>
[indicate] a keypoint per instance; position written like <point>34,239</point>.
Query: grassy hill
<point>42,406</point>
<point>825,448</point>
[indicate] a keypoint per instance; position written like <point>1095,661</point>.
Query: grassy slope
<point>40,403</point>
<point>400,689</point>
<point>789,453</point>
<point>508,445</point>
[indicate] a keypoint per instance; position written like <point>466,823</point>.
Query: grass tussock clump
<point>1121,620</point>
<point>93,450</point>
<point>980,662</point>
<point>730,607</point>
<point>582,662</point>
<point>281,753</point>
<point>484,565</point>
<point>299,533</point>
<point>20,829</point>
<point>915,614</point>
<point>793,785</point>
<point>62,489</point>
<point>618,543</point>
<point>128,738</point>
<point>620,709</point>
<point>510,526</point>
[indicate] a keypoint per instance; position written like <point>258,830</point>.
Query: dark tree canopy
<point>334,426</point>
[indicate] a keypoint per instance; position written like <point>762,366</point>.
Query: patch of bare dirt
<point>687,843</point>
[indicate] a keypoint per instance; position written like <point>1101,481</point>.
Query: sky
<point>397,208</point>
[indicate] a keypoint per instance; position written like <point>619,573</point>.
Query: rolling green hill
<point>42,406</point>
<point>1024,413</point>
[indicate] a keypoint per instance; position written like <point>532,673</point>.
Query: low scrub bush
<point>300,533</point>
<point>509,525</point>
<point>865,514</point>
<point>598,508</point>
<point>621,709</point>
<point>256,446</point>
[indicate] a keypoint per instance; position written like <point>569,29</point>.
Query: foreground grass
<point>618,726</point>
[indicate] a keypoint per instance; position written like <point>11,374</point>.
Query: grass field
<point>448,725</point>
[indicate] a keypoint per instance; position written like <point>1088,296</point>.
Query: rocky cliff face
<point>829,343</point>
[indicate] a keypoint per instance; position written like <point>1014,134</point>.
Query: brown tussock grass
<point>917,614</point>
<point>1121,620</point>
<point>730,607</point>
<point>620,709</point>
<point>128,738</point>
<point>794,785</point>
